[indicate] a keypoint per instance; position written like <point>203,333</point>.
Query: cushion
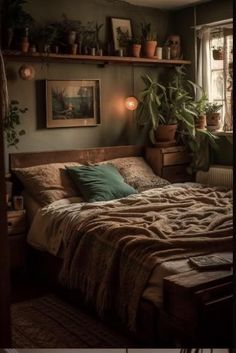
<point>137,173</point>
<point>47,183</point>
<point>100,182</point>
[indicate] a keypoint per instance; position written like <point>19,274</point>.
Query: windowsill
<point>223,133</point>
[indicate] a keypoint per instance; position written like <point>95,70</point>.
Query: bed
<point>129,257</point>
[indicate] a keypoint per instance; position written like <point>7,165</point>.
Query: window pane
<point>217,84</point>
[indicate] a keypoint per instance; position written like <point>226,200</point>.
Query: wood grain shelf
<point>100,60</point>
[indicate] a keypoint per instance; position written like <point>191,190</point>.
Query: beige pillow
<point>137,173</point>
<point>47,182</point>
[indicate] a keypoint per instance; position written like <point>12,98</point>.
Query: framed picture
<point>122,32</point>
<point>72,103</point>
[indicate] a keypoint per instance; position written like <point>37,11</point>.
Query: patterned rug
<point>48,322</point>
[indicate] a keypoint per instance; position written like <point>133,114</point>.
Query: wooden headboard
<point>93,155</point>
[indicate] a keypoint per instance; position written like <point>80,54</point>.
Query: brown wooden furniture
<point>68,58</point>
<point>16,238</point>
<point>169,162</point>
<point>175,325</point>
<point>197,307</point>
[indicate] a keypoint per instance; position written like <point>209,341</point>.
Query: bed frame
<point>197,307</point>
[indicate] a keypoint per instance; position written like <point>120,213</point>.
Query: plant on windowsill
<point>11,122</point>
<point>213,115</point>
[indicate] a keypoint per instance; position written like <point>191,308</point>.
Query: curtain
<point>203,67</point>
<point>228,78</point>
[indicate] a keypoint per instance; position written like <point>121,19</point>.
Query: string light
<point>131,102</point>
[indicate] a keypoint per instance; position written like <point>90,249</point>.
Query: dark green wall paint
<point>118,125</point>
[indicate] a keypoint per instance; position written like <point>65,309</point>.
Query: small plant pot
<point>149,48</point>
<point>218,54</point>
<point>213,121</point>
<point>136,50</point>
<point>25,45</point>
<point>165,133</point>
<point>201,122</point>
<point>73,49</point>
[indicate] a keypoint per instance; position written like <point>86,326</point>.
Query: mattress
<point>66,212</point>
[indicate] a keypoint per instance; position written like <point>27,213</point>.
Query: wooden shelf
<point>100,60</point>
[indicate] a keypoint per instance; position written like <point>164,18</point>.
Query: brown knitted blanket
<point>116,245</point>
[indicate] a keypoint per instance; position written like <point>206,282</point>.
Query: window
<point>215,68</point>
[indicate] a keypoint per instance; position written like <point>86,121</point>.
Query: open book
<point>209,262</point>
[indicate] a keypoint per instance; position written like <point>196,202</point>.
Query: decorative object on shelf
<point>166,52</point>
<point>26,72</point>
<point>14,20</point>
<point>73,48</point>
<point>18,203</point>
<point>213,115</point>
<point>25,42</point>
<point>11,122</point>
<point>149,42</point>
<point>72,103</point>
<point>122,32</point>
<point>173,42</point>
<point>45,37</point>
<point>158,53</point>
<point>135,47</point>
<point>131,103</point>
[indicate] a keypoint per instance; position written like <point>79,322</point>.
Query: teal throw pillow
<point>100,182</point>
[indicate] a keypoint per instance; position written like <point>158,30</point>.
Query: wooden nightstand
<point>16,236</point>
<point>169,162</point>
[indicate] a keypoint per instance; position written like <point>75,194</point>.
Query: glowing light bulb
<point>131,103</point>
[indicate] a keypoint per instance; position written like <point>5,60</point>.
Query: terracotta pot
<point>218,54</point>
<point>149,48</point>
<point>71,37</point>
<point>25,45</point>
<point>135,50</point>
<point>165,133</point>
<point>213,121</point>
<point>201,122</point>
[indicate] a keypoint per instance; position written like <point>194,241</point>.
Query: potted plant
<point>14,20</point>
<point>135,47</point>
<point>11,122</point>
<point>218,53</point>
<point>200,107</point>
<point>149,42</point>
<point>213,115</point>
<point>164,108</point>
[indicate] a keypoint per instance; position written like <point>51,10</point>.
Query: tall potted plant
<point>165,108</point>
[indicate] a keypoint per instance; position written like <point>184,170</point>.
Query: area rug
<point>48,322</point>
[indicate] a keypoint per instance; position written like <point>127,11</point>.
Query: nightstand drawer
<point>176,174</point>
<point>16,222</point>
<point>175,158</point>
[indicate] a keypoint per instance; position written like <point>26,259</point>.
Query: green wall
<point>118,125</point>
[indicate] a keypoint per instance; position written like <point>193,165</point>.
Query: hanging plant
<point>11,122</point>
<point>218,53</point>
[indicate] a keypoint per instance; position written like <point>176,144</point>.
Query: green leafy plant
<point>165,105</point>
<point>146,32</point>
<point>213,107</point>
<point>14,16</point>
<point>11,123</point>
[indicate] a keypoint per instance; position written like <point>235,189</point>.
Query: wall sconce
<point>131,103</point>
<point>26,72</point>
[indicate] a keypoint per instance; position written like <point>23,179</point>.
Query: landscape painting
<point>72,103</point>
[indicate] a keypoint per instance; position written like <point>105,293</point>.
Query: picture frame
<point>72,103</point>
<point>121,32</point>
